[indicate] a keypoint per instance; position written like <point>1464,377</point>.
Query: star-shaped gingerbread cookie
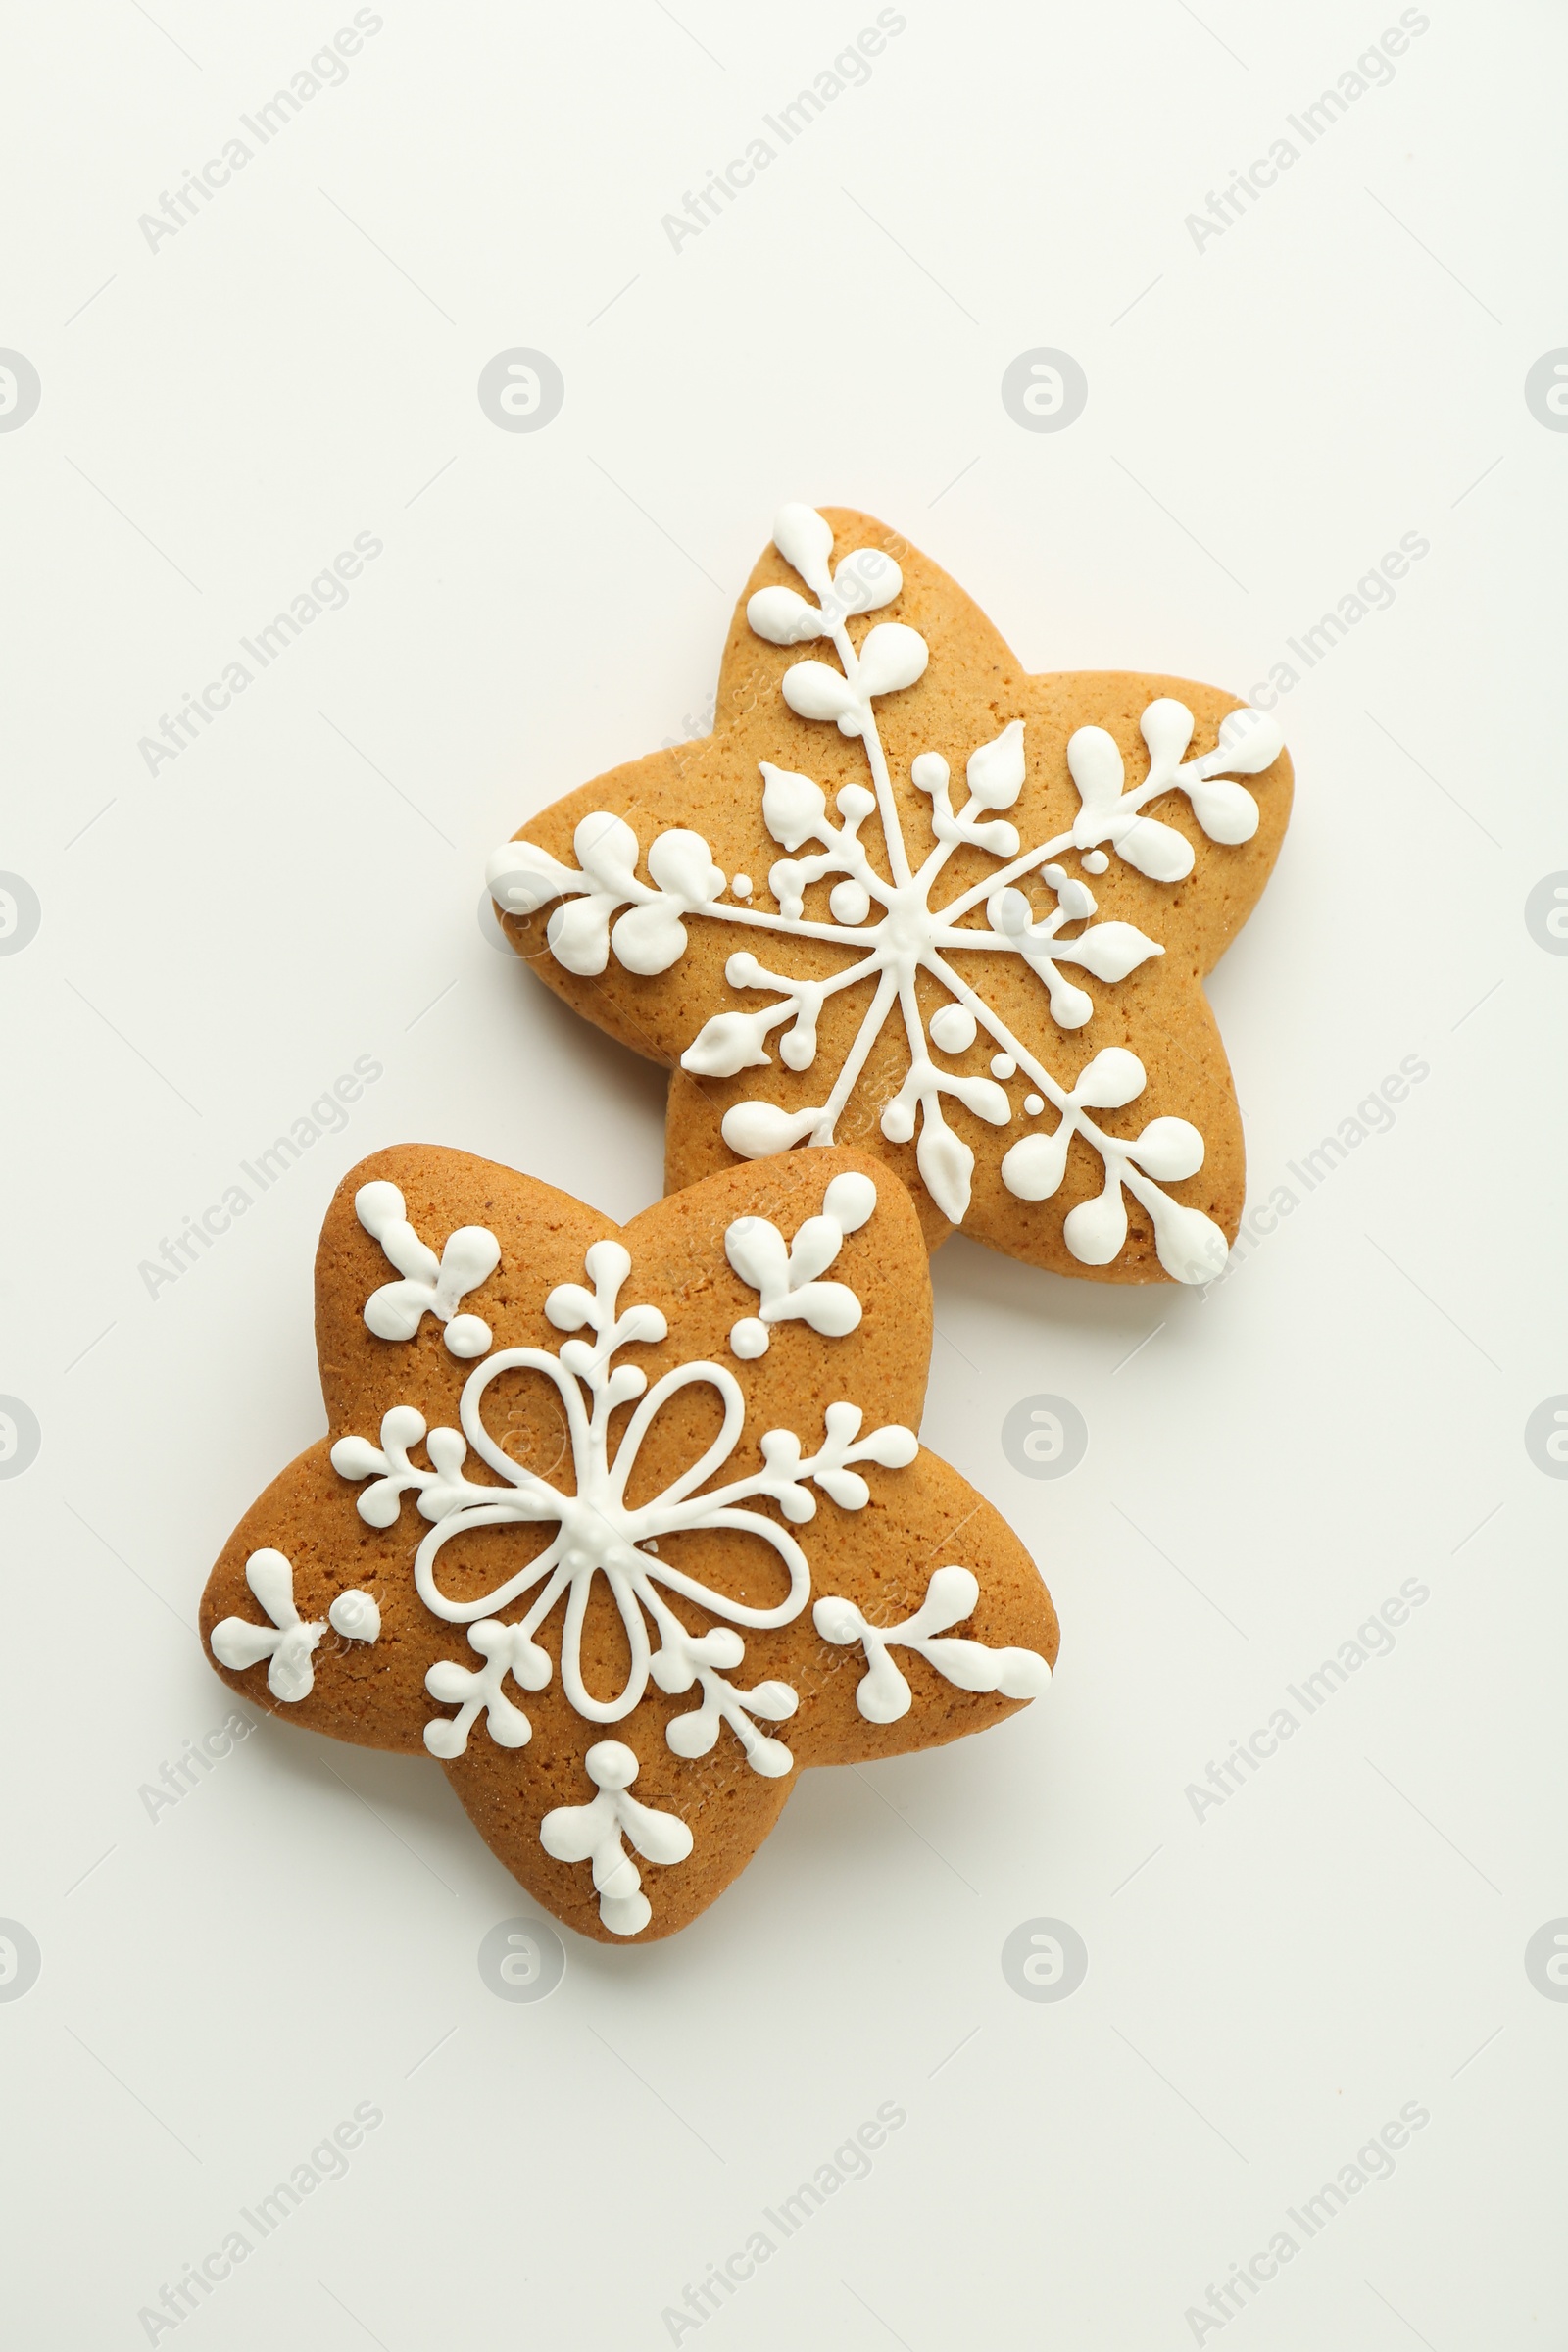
<point>981,955</point>
<point>626,1527</point>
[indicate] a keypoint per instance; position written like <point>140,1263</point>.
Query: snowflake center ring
<point>596,1531</point>
<point>708,1649</point>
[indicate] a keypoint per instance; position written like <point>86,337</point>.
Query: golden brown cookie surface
<point>626,1525</point>
<point>981,952</point>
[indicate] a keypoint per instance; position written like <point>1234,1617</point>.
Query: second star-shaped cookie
<point>982,954</point>
<point>626,1526</point>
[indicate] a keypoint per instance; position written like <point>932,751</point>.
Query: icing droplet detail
<point>954,1029</point>
<point>747,1339</point>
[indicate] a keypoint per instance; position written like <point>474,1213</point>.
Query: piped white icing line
<point>593,1832</point>
<point>289,1642</point>
<point>505,1648</point>
<point>1096,1230</point>
<point>684,1658</point>
<point>430,1285</point>
<point>913,936</point>
<point>598,1533</point>
<point>883,1694</point>
<point>784,1274</point>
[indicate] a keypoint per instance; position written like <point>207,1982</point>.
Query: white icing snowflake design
<point>883,1694</point>
<point>598,1533</point>
<point>593,1834</point>
<point>290,1643</point>
<point>430,1285</point>
<point>914,930</point>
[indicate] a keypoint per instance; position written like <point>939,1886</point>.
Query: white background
<point>219,940</point>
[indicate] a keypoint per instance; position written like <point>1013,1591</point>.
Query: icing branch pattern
<point>883,1694</point>
<point>593,1834</point>
<point>785,1275</point>
<point>288,1641</point>
<point>430,1285</point>
<point>892,929</point>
